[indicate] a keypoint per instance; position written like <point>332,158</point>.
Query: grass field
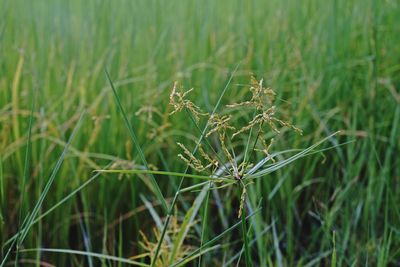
<point>85,86</point>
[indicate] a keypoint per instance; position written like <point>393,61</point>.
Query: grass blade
<point>285,162</point>
<point>204,222</point>
<point>245,241</point>
<point>26,165</point>
<point>48,184</point>
<point>171,174</point>
<point>14,101</point>
<point>333,257</point>
<point>154,215</point>
<point>199,255</point>
<point>65,199</point>
<point>132,134</point>
<point>278,252</point>
<point>88,254</point>
<point>215,239</point>
<point>187,222</point>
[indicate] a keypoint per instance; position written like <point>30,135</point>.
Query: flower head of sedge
<point>266,148</point>
<point>223,148</point>
<point>179,102</point>
<point>261,96</point>
<point>219,124</point>
<point>267,117</point>
<point>194,162</point>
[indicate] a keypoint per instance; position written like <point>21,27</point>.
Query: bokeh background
<point>335,65</point>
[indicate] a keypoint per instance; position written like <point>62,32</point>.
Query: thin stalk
<point>215,239</point>
<point>26,168</point>
<point>132,134</point>
<point>48,184</point>
<point>177,174</point>
<point>246,241</point>
<point>204,220</point>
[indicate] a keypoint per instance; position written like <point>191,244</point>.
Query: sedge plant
<point>218,162</point>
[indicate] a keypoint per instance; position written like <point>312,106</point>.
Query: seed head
<point>266,148</point>
<point>194,162</point>
<point>179,102</point>
<point>261,96</point>
<point>219,124</point>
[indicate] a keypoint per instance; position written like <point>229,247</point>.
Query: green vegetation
<point>89,167</point>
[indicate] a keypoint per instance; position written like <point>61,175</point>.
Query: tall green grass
<point>335,65</point>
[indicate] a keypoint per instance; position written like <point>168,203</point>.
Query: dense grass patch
<point>334,65</point>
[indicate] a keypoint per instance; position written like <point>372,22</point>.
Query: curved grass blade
<point>165,173</point>
<point>132,134</point>
<point>285,162</point>
<point>273,155</point>
<point>199,255</point>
